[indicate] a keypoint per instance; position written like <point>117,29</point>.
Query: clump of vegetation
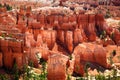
<point>43,75</point>
<point>3,35</point>
<point>112,35</point>
<point>103,34</point>
<point>87,65</point>
<point>31,75</point>
<point>108,15</point>
<point>80,78</point>
<point>10,35</point>
<point>16,73</point>
<point>8,7</point>
<point>3,77</point>
<point>1,6</point>
<point>114,73</point>
<point>28,74</point>
<point>68,77</point>
<point>113,52</point>
<point>70,57</point>
<point>100,77</point>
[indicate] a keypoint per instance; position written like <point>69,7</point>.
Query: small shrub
<point>108,15</point>
<point>114,73</point>
<point>31,64</point>
<point>43,66</point>
<point>77,67</point>
<point>112,35</point>
<point>3,77</point>
<point>3,35</point>
<point>100,77</point>
<point>68,77</point>
<point>70,57</point>
<point>43,75</point>
<point>1,6</point>
<point>15,71</point>
<point>113,52</point>
<point>87,65</point>
<point>80,78</point>
<point>108,77</point>
<point>8,7</point>
<point>10,35</point>
<point>110,59</point>
<point>103,35</point>
<point>28,74</point>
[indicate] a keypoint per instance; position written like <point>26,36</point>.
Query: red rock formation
<point>60,36</point>
<point>8,60</point>
<point>15,46</point>
<point>82,21</point>
<point>70,65</point>
<point>44,51</point>
<point>28,11</point>
<point>113,51</point>
<point>101,57</point>
<point>108,29</point>
<point>35,25</point>
<point>99,21</point>
<point>116,2</point>
<point>4,45</point>
<point>56,22</point>
<point>69,40</point>
<point>36,32</point>
<point>90,30</point>
<point>107,41</point>
<point>18,58</point>
<point>29,40</point>
<point>3,10</point>
<point>39,40</point>
<point>79,36</point>
<point>55,48</point>
<point>78,67</point>
<point>49,37</point>
<point>89,53</point>
<point>60,20</point>
<point>42,19</point>
<point>57,63</point>
<point>67,26</point>
<point>73,21</point>
<point>116,36</point>
<point>49,21</point>
<point>33,56</point>
<point>68,23</point>
<point>1,59</point>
